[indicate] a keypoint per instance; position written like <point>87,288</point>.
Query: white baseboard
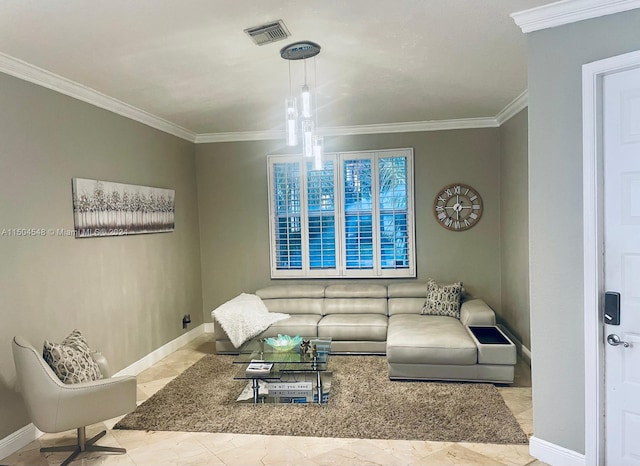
<point>208,327</point>
<point>21,438</point>
<point>553,454</point>
<point>162,352</point>
<point>523,350</point>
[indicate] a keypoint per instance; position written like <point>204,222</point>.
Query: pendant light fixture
<point>307,121</point>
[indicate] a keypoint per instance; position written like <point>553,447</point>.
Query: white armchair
<point>56,407</point>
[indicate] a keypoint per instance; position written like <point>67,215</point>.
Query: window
<point>352,218</point>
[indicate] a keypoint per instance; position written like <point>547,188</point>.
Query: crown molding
<point>408,127</point>
<point>411,126</point>
<point>33,74</point>
<point>204,138</point>
<point>569,11</point>
<point>516,106</point>
<point>27,72</point>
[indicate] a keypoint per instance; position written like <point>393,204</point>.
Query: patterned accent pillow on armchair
<point>71,359</point>
<point>443,300</point>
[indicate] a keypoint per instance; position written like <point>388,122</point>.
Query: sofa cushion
<point>295,305</point>
<point>293,299</point>
<point>355,306</point>
<point>291,291</point>
<point>304,325</point>
<point>406,297</point>
<point>407,290</point>
<point>71,359</point>
<point>355,291</point>
<point>443,300</point>
<point>424,339</point>
<point>372,327</point>
<point>406,305</point>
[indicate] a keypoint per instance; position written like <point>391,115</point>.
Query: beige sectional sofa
<point>387,320</point>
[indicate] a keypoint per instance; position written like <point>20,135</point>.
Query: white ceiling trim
<point>519,103</point>
<point>412,126</point>
<point>239,136</point>
<point>408,127</point>
<point>569,11</point>
<point>44,78</point>
<point>31,73</point>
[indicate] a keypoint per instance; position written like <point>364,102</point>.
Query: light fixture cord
<point>315,90</point>
<point>289,60</point>
<point>304,59</point>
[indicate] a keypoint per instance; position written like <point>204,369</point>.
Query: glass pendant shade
<point>307,137</point>
<point>301,123</point>
<point>318,151</point>
<point>306,102</point>
<point>291,121</point>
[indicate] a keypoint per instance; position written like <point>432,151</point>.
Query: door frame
<point>593,244</point>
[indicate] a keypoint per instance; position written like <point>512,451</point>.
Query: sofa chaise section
<point>430,347</point>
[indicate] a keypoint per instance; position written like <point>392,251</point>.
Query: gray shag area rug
<point>363,403</point>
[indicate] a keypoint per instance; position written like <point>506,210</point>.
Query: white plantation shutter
<point>352,218</point>
<point>286,225</point>
<point>358,212</point>
<point>393,212</point>
<point>321,215</point>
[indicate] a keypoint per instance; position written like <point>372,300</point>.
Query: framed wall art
<point>103,208</point>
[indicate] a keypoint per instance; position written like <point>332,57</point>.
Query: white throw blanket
<point>244,317</point>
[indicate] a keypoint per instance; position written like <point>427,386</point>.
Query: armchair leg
<point>83,445</point>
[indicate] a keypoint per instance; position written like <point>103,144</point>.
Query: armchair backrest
<point>39,385</point>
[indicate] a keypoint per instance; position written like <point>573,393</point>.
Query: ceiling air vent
<point>267,33</point>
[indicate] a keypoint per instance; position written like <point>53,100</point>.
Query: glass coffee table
<point>292,378</point>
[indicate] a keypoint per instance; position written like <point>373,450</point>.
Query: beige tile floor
<point>193,449</point>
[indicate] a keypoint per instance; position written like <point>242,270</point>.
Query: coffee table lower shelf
<point>290,387</point>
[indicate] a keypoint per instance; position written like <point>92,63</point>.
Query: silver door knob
<point>614,340</point>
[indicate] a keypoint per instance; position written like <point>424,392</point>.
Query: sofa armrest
<point>477,312</point>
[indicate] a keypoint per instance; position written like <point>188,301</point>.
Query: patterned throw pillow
<point>71,359</point>
<point>443,300</point>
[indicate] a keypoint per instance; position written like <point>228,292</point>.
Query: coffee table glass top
<point>257,349</point>
<point>293,377</point>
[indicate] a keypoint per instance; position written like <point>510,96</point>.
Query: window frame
<point>341,270</point>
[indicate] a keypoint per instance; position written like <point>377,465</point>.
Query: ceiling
<point>190,63</point>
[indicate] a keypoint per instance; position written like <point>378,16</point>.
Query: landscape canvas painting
<point>103,208</point>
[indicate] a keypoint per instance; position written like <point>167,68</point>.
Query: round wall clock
<point>457,207</point>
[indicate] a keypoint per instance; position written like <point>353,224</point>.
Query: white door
<point>621,148</point>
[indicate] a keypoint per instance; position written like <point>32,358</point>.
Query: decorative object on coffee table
<point>304,346</point>
<point>283,342</point>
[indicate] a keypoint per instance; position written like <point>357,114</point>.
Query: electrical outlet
<point>186,320</point>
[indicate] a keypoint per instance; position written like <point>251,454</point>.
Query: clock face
<point>458,207</point>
